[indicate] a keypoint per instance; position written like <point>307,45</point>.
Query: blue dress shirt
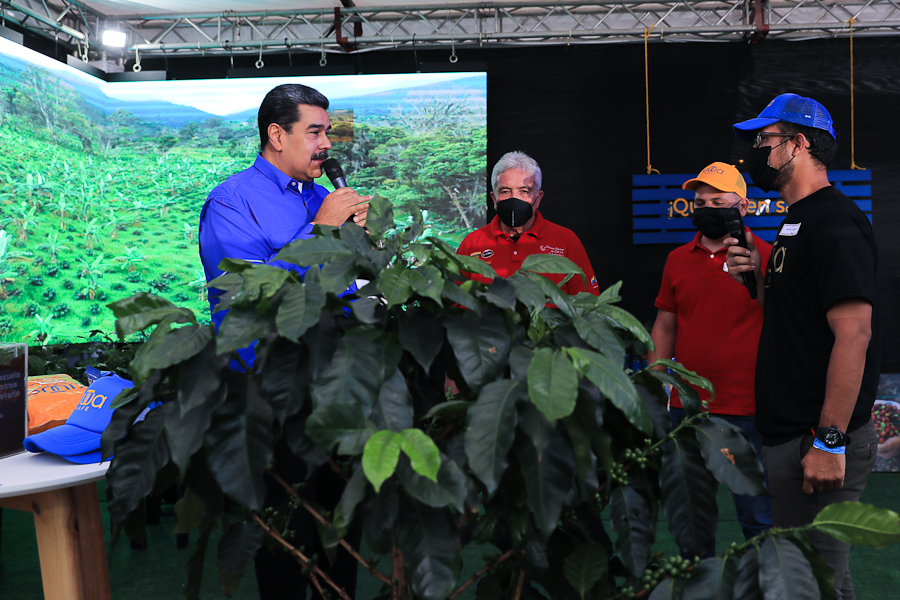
<point>252,215</point>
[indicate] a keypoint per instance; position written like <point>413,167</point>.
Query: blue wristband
<point>817,443</point>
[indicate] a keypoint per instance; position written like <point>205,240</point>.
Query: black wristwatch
<point>832,437</point>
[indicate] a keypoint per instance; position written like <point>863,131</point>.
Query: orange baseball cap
<point>721,176</point>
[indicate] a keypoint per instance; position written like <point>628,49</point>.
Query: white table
<point>63,498</point>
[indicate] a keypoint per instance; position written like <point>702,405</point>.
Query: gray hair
<point>516,160</point>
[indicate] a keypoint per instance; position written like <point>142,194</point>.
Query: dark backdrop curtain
<point>579,111</point>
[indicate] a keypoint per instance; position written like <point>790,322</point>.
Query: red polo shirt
<point>718,324</point>
<point>499,250</point>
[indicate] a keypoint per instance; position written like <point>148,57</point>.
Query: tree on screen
<point>54,105</point>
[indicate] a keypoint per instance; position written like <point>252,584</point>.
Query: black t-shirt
<point>824,253</point>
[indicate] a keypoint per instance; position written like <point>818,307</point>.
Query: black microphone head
<point>734,223</point>
<point>333,169</point>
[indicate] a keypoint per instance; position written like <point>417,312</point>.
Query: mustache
<point>320,155</point>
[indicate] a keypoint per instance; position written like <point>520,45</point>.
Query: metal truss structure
<point>490,24</point>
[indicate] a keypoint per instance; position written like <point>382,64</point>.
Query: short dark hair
<point>822,147</point>
<point>281,106</point>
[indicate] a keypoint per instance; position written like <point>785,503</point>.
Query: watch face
<point>831,437</point>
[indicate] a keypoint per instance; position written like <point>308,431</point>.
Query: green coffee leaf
<point>424,456</point>
<point>552,383</point>
<point>380,457</point>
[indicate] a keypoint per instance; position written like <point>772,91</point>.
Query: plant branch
<point>686,422</point>
<point>237,358</point>
<point>519,585</point>
<point>303,560</point>
<point>450,427</point>
<point>398,574</point>
<point>370,568</point>
<point>337,469</point>
<point>478,574</point>
<point>760,538</point>
<point>344,544</point>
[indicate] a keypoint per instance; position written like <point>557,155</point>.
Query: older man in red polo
<point>519,230</point>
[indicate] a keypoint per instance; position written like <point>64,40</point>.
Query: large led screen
<point>101,184</point>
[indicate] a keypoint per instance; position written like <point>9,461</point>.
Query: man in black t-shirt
<point>819,352</point>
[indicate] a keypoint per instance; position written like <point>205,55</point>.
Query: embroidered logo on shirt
<point>593,282</point>
<point>553,250</point>
<point>487,253</point>
<point>778,259</point>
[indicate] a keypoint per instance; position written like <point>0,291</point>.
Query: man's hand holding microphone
<point>343,204</point>
<point>743,257</point>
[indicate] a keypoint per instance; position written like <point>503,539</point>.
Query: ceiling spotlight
<point>112,37</point>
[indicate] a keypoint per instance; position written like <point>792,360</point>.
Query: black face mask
<point>715,223</point>
<point>514,212</point>
<point>763,174</point>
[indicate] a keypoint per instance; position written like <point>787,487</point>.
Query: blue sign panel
<point>661,211</point>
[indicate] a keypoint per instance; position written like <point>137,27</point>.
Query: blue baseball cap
<point>789,108</point>
<point>78,439</point>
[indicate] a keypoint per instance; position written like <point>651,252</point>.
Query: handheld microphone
<point>735,224</point>
<point>335,173</point>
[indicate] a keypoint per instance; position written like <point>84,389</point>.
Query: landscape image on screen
<point>101,184</point>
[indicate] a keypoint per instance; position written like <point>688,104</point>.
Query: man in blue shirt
<point>255,213</point>
<point>251,216</point>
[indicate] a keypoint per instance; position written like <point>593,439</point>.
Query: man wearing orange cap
<point>702,311</point>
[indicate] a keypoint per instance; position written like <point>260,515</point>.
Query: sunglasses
<point>762,135</point>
